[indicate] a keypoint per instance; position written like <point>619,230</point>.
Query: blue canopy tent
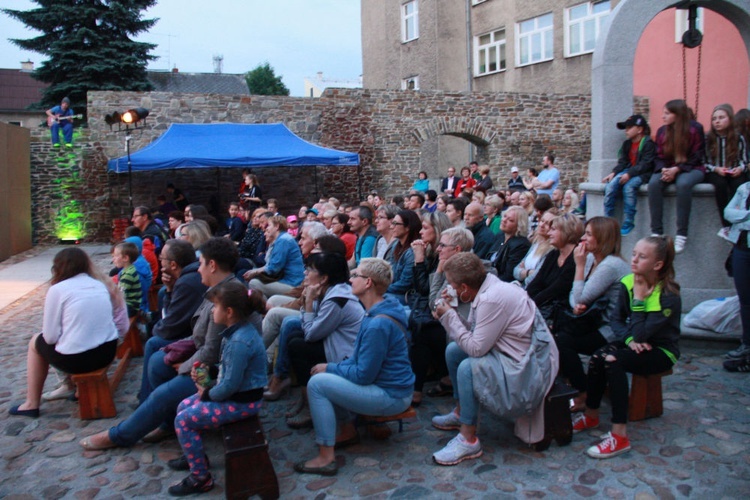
<point>230,145</point>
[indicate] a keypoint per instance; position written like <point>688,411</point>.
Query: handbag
<point>179,351</point>
<point>579,325</point>
<point>266,278</point>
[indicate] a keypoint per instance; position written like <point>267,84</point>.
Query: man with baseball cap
<point>515,183</point>
<point>635,164</point>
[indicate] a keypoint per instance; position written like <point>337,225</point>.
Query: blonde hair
<point>197,232</point>
<point>522,220</point>
<point>379,271</point>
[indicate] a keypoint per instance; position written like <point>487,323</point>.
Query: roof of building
<point>201,83</point>
<point>18,89</point>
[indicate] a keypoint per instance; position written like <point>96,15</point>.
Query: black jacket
<point>506,255</point>
<point>181,304</point>
<point>484,239</point>
<point>644,162</point>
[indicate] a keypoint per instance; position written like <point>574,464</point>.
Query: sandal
<point>104,443</point>
<point>440,390</point>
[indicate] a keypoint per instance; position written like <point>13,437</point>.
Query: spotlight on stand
<point>133,116</point>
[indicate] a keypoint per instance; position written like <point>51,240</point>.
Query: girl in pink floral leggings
<point>238,391</point>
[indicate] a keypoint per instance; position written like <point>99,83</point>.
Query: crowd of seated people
<point>375,306</point>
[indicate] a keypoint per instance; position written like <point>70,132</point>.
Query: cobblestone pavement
<point>699,448</point>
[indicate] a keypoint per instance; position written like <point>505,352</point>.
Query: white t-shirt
<point>78,315</point>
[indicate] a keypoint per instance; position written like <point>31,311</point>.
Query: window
<point>681,23</point>
<point>475,2</point>
<point>583,23</point>
<point>409,21</point>
<point>411,83</point>
<point>489,53</point>
<point>534,40</point>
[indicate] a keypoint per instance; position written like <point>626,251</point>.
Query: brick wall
<point>386,128</point>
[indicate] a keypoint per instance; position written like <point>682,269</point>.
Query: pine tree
<point>263,81</point>
<point>89,46</point>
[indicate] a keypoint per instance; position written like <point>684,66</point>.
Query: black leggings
<point>303,356</point>
<point>428,349</point>
<point>570,347</point>
<point>614,373</point>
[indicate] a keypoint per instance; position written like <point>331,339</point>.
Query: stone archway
<point>612,68</point>
<point>473,130</point>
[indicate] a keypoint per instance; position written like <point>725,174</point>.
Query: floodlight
<point>133,116</point>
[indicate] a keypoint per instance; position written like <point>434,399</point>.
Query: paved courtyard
<point>699,448</point>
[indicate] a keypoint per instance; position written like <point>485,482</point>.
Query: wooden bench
<point>376,425</point>
<point>645,396</point>
<point>248,467</point>
<point>557,422</point>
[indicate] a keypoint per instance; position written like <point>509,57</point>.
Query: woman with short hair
<point>511,246</point>
<point>375,380</point>
<point>284,268</point>
<point>502,320</point>
<point>552,284</point>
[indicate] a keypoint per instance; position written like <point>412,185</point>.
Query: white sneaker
<point>62,392</point>
<point>679,243</point>
<point>448,422</point>
<point>457,450</point>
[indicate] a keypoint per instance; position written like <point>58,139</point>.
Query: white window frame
<point>546,37</point>
<point>498,46</point>
<point>477,2</point>
<point>411,83</point>
<point>681,23</point>
<point>409,18</point>
<point>599,19</point>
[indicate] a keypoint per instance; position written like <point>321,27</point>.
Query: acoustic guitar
<point>56,119</point>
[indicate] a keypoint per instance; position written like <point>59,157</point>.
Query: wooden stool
<point>131,341</point>
<point>248,467</point>
<point>375,424</point>
<point>95,389</point>
<point>558,424</point>
<point>645,396</point>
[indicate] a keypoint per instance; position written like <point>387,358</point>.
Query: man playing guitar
<point>61,117</point>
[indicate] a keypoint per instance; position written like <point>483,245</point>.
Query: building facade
<point>544,47</point>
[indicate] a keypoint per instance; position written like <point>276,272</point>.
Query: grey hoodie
<point>336,320</point>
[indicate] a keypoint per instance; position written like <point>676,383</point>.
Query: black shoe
<point>191,485</point>
<point>182,463</point>
<point>24,413</point>
<point>738,365</point>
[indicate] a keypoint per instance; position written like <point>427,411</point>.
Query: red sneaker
<point>611,446</point>
<point>581,422</point>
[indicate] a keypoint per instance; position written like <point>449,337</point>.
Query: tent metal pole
<point>316,183</point>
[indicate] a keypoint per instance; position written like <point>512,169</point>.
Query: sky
<point>298,38</point>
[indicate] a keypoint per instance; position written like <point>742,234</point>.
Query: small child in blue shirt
<point>235,226</point>
<point>238,391</point>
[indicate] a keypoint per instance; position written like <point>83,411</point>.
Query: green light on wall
<point>70,225</point>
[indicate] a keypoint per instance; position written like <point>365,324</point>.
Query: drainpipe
<point>469,72</point>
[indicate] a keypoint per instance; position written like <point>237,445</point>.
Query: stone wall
<point>387,129</point>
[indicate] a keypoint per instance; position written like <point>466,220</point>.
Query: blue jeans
<point>629,196</point>
<point>291,327</point>
<point>684,185</point>
<point>459,369</point>
<point>67,130</point>
<point>331,398</point>
<point>152,346</point>
<point>741,271</point>
<point>159,409</point>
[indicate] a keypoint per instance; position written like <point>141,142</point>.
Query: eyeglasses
<point>357,275</point>
<point>394,223</point>
<point>137,215</point>
<point>444,245</point>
